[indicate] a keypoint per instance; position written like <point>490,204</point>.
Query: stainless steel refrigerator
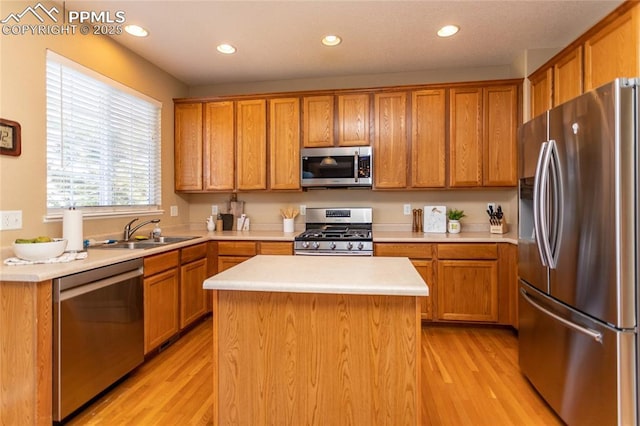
<point>578,255</point>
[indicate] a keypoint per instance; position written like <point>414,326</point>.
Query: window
<point>103,143</point>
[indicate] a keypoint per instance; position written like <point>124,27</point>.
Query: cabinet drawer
<point>467,251</point>
<point>191,253</point>
<point>161,262</point>
<point>411,250</point>
<point>237,248</point>
<point>276,248</point>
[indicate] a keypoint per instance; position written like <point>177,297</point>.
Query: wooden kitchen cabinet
<point>193,271</point>
<point>541,91</point>
<point>251,144</point>
<point>428,138</point>
<point>420,255</point>
<point>318,121</point>
<point>483,146</point>
<point>231,253</point>
<point>612,51</point>
<point>567,76</point>
<point>390,141</point>
<point>467,282</point>
<point>465,137</point>
<point>161,296</point>
<point>284,143</point>
<point>188,146</point>
<point>219,146</point>
<point>499,142</point>
<point>353,120</point>
<point>275,247</point>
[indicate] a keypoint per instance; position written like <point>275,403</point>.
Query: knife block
<point>498,229</point>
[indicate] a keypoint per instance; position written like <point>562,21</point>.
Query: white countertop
<point>361,275</point>
<point>101,257</point>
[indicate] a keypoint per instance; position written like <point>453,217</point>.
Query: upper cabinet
<point>284,148</point>
<point>251,144</point>
<point>483,124</point>
<point>318,121</point>
<point>188,146</point>
<point>428,138</point>
<point>390,141</point>
<point>605,52</point>
<point>353,120</point>
<point>219,146</point>
<point>613,51</point>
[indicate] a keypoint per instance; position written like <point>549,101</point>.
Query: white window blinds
<point>103,141</point>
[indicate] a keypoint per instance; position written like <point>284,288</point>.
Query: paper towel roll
<point>72,229</point>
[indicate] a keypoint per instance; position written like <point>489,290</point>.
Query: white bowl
<point>40,251</point>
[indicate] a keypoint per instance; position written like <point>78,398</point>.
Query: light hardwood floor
<point>470,377</point>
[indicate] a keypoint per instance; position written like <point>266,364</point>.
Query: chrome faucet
<point>128,232</point>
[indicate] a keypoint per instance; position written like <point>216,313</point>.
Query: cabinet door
<point>467,290</point>
<point>318,121</point>
<point>499,145</point>
<point>160,308</point>
<point>613,51</point>
<point>284,143</point>
<point>465,122</point>
<point>541,96</point>
<point>390,145</point>
<point>428,111</point>
<point>192,296</point>
<point>226,262</point>
<point>567,76</point>
<point>353,120</point>
<point>251,144</point>
<point>276,248</point>
<point>219,144</point>
<point>425,269</point>
<point>188,146</point>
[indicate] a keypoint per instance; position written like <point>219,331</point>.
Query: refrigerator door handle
<point>595,335</point>
<point>543,213</point>
<point>537,212</point>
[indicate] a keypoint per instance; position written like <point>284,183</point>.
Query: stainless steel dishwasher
<point>98,332</point>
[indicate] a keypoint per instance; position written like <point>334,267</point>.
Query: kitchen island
<point>317,340</point>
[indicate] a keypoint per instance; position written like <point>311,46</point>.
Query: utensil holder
<point>288,225</point>
<point>498,229</point>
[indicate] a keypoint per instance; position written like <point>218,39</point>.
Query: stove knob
<point>349,245</point>
<point>316,245</point>
<point>305,244</point>
<point>332,246</point>
<point>360,246</point>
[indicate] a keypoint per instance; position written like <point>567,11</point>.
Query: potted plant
<point>454,216</point>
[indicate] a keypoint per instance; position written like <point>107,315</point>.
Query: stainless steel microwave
<point>337,167</point>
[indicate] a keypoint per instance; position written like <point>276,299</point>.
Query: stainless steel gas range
<point>338,231</point>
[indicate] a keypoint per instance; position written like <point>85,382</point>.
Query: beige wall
<point>22,99</point>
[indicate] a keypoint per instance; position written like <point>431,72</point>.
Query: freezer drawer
<point>585,370</point>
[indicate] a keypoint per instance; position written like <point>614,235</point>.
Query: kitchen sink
<point>145,244</point>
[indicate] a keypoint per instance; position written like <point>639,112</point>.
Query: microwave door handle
<point>356,163</point>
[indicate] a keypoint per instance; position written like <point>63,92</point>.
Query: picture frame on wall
<point>10,143</point>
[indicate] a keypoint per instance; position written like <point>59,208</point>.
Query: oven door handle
<point>87,288</point>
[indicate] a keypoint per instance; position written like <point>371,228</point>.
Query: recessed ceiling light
<point>448,30</point>
<point>136,30</point>
<point>331,40</point>
<point>225,48</point>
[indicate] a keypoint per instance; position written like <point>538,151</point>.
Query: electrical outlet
<point>491,206</point>
<point>407,209</point>
<point>11,219</point>
<point>174,210</point>
<point>214,209</point>
<point>303,210</point>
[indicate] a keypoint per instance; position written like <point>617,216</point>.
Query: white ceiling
<point>280,40</point>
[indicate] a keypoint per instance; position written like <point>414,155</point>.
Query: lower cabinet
<point>421,256</point>
<point>193,271</point>
<point>231,253</point>
<point>467,282</point>
<point>161,295</point>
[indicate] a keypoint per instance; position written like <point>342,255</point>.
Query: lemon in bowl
<point>41,248</point>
